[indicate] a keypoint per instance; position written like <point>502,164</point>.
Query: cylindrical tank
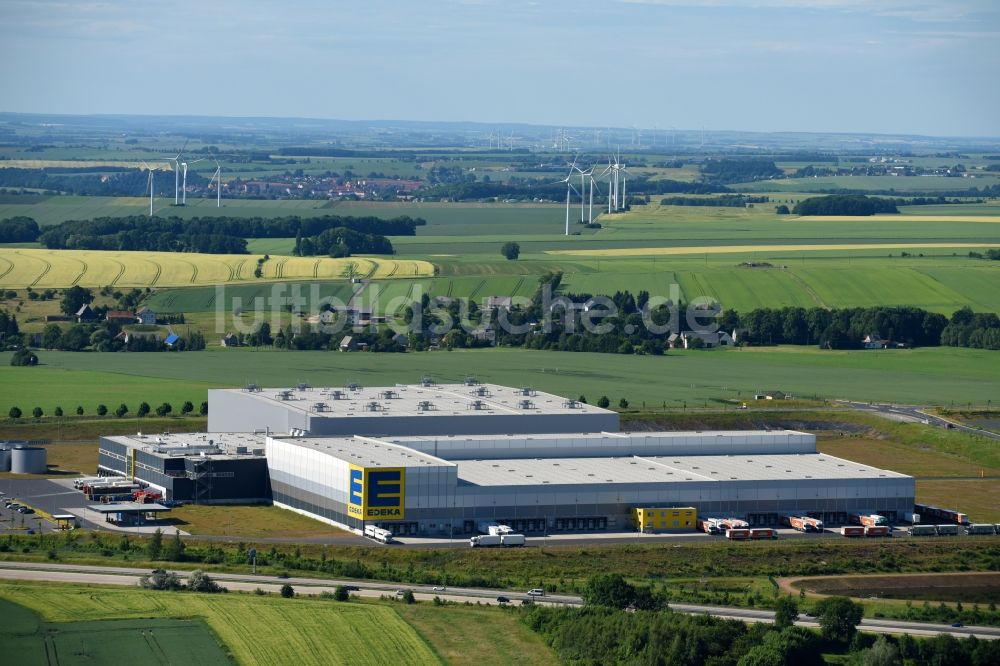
<point>4,458</point>
<point>28,460</point>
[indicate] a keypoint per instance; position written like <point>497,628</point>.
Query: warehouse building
<point>437,486</point>
<point>197,467</point>
<point>423,409</point>
<point>437,460</point>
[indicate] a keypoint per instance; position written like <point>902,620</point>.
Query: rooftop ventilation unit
<point>302,386</point>
<point>481,391</point>
<point>321,407</point>
<point>389,395</point>
<point>426,382</point>
<point>527,390</point>
<point>571,404</point>
<point>471,381</point>
<point>373,406</point>
<point>477,404</point>
<point>425,406</point>
<point>338,394</point>
<point>525,404</point>
<point>284,395</point>
<point>353,386</point>
<point>252,388</point>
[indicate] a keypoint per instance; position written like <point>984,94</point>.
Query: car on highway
<point>536,592</point>
<point>400,592</point>
<point>352,588</point>
<point>957,624</point>
<point>503,600</point>
<point>439,589</point>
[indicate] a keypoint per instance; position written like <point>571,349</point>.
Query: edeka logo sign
<point>356,492</point>
<point>376,493</point>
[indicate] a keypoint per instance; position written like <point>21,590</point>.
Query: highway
<point>913,414</point>
<point>98,575</point>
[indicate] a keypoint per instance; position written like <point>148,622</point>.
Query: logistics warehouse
<point>434,481</point>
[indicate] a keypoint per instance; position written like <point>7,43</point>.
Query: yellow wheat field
<point>737,249</point>
<point>42,269</point>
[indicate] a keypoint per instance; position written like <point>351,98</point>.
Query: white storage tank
<point>28,460</point>
<point>4,458</point>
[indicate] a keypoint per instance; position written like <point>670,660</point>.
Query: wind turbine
<point>176,160</point>
<point>217,177</point>
<point>569,189</point>
<point>149,186</point>
<point>583,188</point>
<point>184,185</point>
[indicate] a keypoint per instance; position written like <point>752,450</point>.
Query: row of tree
<point>164,409</point>
<point>726,201</point>
<point>220,235</point>
<point>341,242</point>
<point>19,229</point>
<point>104,337</point>
<point>845,204</point>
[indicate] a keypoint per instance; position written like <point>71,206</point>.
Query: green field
<point>26,640</point>
<point>257,630</point>
<point>900,183</point>
<point>938,376</point>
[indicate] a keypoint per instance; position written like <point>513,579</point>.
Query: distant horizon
<point>487,124</point>
<point>906,67</point>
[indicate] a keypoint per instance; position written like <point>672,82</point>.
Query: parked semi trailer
<point>709,526</point>
<point>762,533</point>
<point>485,541</point>
<point>980,528</point>
<point>738,534</point>
<point>923,530</point>
<point>868,519</point>
<point>928,512</point>
<point>512,540</point>
<point>733,524</point>
<point>911,518</point>
<point>803,523</point>
<point>852,530</point>
<point>378,534</point>
<point>877,530</point>
<point>947,530</point>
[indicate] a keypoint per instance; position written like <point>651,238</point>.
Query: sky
<point>884,66</point>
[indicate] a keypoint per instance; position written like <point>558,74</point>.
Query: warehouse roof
<point>222,444</point>
<point>659,469</point>
<point>722,442</point>
<point>418,400</point>
<point>366,451</point>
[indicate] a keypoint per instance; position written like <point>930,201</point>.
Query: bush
<point>341,593</point>
<point>37,412</point>
<point>604,402</point>
<point>287,591</point>
<point>79,410</point>
<point>161,579</point>
<point>200,581</point>
<point>164,409</point>
<point>14,413</point>
<point>24,357</point>
<point>102,410</point>
<point>59,411</point>
<point>122,410</point>
<point>408,597</point>
<point>510,250</point>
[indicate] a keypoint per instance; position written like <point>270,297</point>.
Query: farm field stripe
<point>156,276</point>
<point>316,268</point>
<point>239,268</point>
<point>738,249</point>
<point>48,267</point>
<point>121,272</point>
<point>10,267</point>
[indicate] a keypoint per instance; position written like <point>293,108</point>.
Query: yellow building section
<point>656,519</point>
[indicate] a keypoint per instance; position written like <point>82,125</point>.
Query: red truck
<point>737,534</point>
<point>852,531</point>
<point>877,531</point>
<point>868,519</point>
<point>762,533</point>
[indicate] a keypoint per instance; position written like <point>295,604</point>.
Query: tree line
<point>110,182</point>
<point>221,235</point>
<point>728,171</point>
<point>726,201</point>
<point>845,204</point>
<point>529,189</point>
<point>18,229</point>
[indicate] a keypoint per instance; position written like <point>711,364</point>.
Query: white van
<point>537,592</point>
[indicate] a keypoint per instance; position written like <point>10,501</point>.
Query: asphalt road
<point>912,414</point>
<point>71,573</point>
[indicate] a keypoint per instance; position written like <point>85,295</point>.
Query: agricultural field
<point>932,376</point>
<point>968,588</point>
<point>255,629</point>
<point>20,268</point>
<point>248,521</point>
<point>26,640</point>
<point>929,184</point>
